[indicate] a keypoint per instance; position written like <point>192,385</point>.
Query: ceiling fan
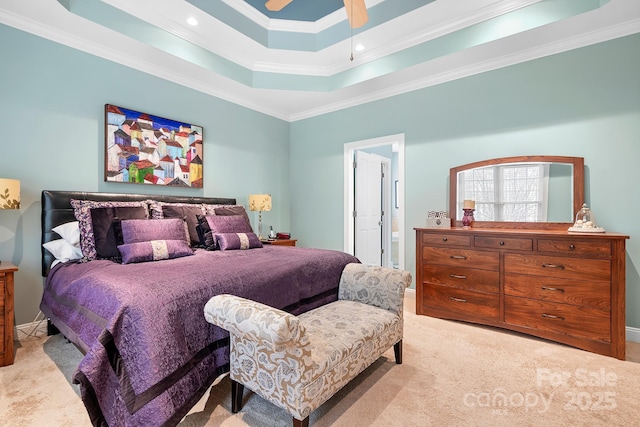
<point>356,10</point>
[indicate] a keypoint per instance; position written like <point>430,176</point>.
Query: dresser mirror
<point>528,192</point>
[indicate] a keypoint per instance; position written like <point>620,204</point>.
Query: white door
<point>369,211</point>
<point>396,142</point>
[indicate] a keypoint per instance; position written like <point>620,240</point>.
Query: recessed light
<point>192,21</point>
<point>359,48</point>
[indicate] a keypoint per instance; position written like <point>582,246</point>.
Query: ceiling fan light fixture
<point>276,5</point>
<point>356,12</point>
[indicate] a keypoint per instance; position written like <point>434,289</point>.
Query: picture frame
<point>142,148</point>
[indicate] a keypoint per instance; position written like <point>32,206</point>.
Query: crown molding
<point>217,86</point>
<point>450,72</point>
<point>619,18</point>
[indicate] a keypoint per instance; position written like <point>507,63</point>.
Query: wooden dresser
<point>565,287</point>
<point>6,312</point>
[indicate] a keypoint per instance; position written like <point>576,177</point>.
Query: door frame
<point>349,203</point>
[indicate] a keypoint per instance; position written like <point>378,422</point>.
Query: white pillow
<point>70,232</point>
<point>62,250</point>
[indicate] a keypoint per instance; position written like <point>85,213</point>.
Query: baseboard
<point>37,328</point>
<point>633,334</point>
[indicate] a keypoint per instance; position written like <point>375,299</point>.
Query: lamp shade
<point>260,202</point>
<point>9,193</point>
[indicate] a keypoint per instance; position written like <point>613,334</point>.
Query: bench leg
<point>236,396</point>
<point>303,423</point>
<point>397,349</point>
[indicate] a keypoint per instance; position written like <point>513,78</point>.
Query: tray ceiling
<point>297,63</point>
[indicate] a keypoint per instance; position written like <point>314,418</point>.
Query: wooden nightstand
<point>280,242</point>
<point>6,312</point>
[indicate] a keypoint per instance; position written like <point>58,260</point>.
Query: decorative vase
<point>467,218</point>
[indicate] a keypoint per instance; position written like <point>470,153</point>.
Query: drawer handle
<point>561,267</point>
<point>572,246</point>
<point>444,239</point>
<point>457,276</point>
<point>549,288</point>
<point>458,257</point>
<point>551,316</point>
<point>501,243</point>
<point>457,299</point>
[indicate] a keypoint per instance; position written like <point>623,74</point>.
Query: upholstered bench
<point>299,362</point>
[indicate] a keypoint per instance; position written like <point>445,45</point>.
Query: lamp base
<point>467,218</point>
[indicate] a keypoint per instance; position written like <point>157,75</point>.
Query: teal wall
<point>581,103</point>
<point>52,108</point>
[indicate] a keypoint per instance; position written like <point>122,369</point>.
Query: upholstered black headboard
<point>56,210</point>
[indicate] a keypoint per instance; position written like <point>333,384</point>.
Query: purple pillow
<point>228,241</point>
<point>145,230</point>
<point>154,250</point>
<point>82,212</point>
<point>211,224</point>
<point>103,232</point>
<point>187,211</point>
<point>226,210</point>
<point>228,224</point>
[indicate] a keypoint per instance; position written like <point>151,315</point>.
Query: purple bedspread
<point>149,353</point>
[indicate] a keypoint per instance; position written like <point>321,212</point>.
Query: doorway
<point>391,194</point>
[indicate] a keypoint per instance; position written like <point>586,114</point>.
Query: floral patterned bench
<point>299,362</point>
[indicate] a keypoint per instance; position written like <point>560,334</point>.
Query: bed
<point>149,354</point>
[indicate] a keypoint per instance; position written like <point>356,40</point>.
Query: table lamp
<point>9,193</point>
<point>260,203</point>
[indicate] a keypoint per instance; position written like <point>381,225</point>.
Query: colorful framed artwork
<point>144,149</point>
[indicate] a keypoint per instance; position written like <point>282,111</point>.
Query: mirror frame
<point>578,191</point>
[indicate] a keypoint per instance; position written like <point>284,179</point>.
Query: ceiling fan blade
<point>356,12</point>
<point>276,5</point>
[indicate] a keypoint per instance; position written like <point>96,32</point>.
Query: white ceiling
<point>440,41</point>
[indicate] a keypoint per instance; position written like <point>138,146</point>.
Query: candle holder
<point>467,218</point>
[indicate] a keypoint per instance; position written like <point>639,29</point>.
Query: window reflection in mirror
<point>519,192</point>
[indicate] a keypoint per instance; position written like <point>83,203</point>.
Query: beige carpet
<point>454,374</point>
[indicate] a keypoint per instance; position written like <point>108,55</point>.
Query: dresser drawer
<point>574,320</point>
<point>463,278</point>
<point>461,258</point>
<point>445,240</point>
<point>591,248</point>
<point>503,243</point>
<point>559,267</point>
<point>568,291</point>
<point>462,302</point>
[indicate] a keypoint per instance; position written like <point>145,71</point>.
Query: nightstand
<point>6,312</point>
<point>280,242</point>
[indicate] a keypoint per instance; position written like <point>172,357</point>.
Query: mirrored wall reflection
<point>518,192</point>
